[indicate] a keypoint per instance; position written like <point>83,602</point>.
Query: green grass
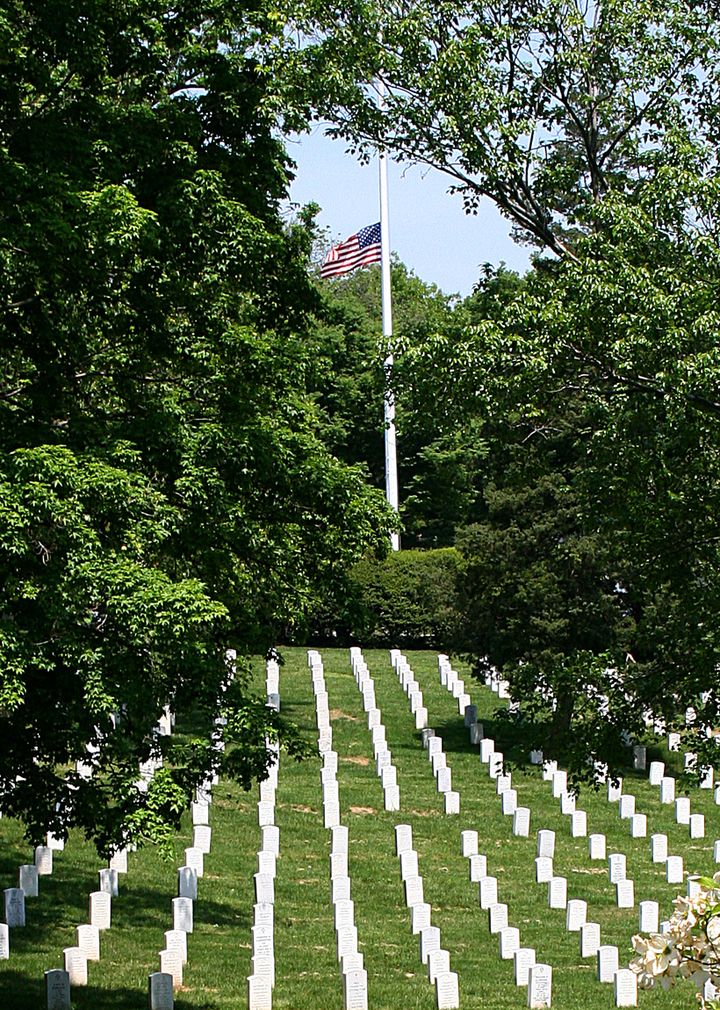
<point>306,968</point>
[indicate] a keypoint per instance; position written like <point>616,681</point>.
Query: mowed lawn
<point>307,972</point>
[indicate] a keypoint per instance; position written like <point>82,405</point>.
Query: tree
<point>163,487</point>
<point>610,358</point>
<point>544,106</point>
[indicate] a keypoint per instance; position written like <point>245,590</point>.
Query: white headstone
<point>452,802</point>
<point>649,917</point>
<point>438,961</point>
<point>419,916</point>
<point>509,801</point>
<point>171,964</point>
<point>347,941</point>
<point>557,892</point>
<point>607,962</point>
<point>617,867</point>
<point>447,991</point>
<point>200,813</point>
<point>543,869</point>
<point>88,940</point>
<point>413,891</point>
<point>340,888</point>
<point>28,879</point>
<point>344,913</point>
<point>497,917</point>
<point>44,860</point>
<point>626,989</point>
<point>638,826</point>
<point>521,822</point>
<point>108,882</point>
<point>509,938</point>
<point>187,882</point>
<point>625,894</point>
<point>469,843</point>
<point>578,824</point>
<point>195,858</point>
<point>589,939</point>
<point>267,862</point>
<point>477,866</point>
<point>667,789</point>
<point>658,848</point>
<point>408,864</point>
<point>444,780</point>
<point>75,965</point>
<point>119,861</point>
<point>597,846</point>
<point>340,838</point>
<point>657,771</point>
<point>264,888</point>
<point>429,940</point>
<point>559,784</point>
<point>4,941</point>
<point>487,888</point>
<point>682,810</point>
<point>567,804</point>
<point>259,992</point>
<point>546,843</point>
<point>355,994</point>
<point>183,914</point>
<point>540,986</point>
<point>575,915</point>
<point>524,959</point>
<point>176,939</point>
<point>674,870</point>
<point>202,836</point>
<point>614,790</point>
<point>403,838</point>
<point>626,806</point>
<point>697,825</point>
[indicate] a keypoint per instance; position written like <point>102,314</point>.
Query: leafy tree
<point>163,487</point>
<point>611,359</point>
<point>544,106</point>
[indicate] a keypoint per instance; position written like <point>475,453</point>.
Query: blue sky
<point>429,229</point>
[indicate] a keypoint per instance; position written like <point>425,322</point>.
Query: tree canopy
<point>164,489</point>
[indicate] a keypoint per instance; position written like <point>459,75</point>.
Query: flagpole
<point>391,472</point>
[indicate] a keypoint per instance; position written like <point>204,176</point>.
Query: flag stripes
<point>358,250</point>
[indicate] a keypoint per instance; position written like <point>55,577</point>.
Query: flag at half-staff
<point>359,250</point>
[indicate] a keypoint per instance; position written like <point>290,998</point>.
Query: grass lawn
<point>307,973</point>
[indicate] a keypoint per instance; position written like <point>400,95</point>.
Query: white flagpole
<point>391,474</point>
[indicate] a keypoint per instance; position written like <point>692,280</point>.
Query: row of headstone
<point>431,742</point>
<point>410,687</point>
<point>261,981</point>
<point>384,767</point>
<point>350,959</point>
<point>432,954</point>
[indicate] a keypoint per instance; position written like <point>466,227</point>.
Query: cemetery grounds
<point>307,972</point>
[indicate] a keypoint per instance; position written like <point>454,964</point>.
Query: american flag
<point>356,251</point>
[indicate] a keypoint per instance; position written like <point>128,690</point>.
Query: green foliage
<point>407,598</point>
<point>163,485</point>
<point>544,106</point>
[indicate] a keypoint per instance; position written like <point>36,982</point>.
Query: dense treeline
<point>165,489</point>
<point>191,425</point>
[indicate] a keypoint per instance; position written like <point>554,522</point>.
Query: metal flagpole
<point>391,474</point>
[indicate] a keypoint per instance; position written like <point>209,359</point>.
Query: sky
<point>429,230</point>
